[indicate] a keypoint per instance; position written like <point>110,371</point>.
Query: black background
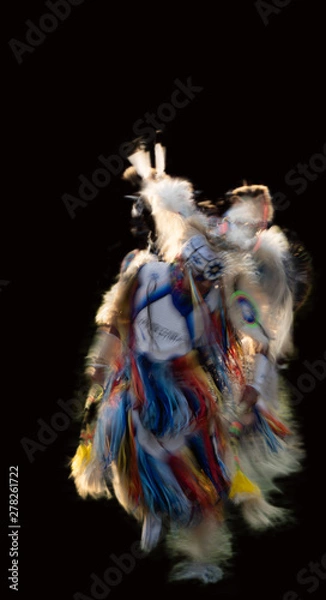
<point>260,112</point>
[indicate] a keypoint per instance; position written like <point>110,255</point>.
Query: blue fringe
<point>111,425</point>
<point>264,429</point>
<point>196,445</point>
<point>193,402</point>
<point>162,493</point>
<point>166,409</point>
<point>222,465</point>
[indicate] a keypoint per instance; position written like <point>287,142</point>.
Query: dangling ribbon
<point>241,487</point>
<point>200,312</point>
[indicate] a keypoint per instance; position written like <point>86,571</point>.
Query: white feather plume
<point>172,194</point>
<point>160,153</point>
<point>141,160</point>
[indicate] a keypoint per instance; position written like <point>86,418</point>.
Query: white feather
<point>160,153</point>
<point>207,542</point>
<point>141,160</point>
<point>170,193</point>
<point>260,514</point>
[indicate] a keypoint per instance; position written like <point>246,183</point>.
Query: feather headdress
<point>171,201</point>
<point>161,191</point>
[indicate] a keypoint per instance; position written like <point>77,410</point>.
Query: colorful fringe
<point>171,399</point>
<point>241,486</point>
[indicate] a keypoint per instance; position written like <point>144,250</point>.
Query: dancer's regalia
<point>186,412</point>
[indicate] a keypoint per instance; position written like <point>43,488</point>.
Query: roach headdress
<point>170,200</point>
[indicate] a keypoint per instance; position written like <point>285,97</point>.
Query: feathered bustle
<point>258,196</point>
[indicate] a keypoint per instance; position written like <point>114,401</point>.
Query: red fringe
<point>137,384</point>
<point>189,485</point>
<point>215,469</point>
<point>276,426</point>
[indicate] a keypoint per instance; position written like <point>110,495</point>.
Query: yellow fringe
<point>242,485</point>
<point>81,458</point>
